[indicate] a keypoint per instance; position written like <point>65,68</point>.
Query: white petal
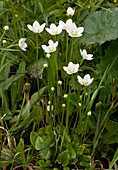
<point>50,42</point>
<point>80,29</point>
<point>87,77</point>
<point>80,80</point>
<point>88,80</point>
<point>56,43</point>
<point>70,64</point>
<point>30,27</point>
<point>42,27</point>
<point>67,70</point>
<point>49,31</point>
<point>36,24</point>
<point>44,47</point>
<point>52,27</point>
<point>90,56</point>
<point>70,11</point>
<point>62,24</point>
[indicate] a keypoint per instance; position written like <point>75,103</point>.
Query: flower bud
<point>4,41</point>
<point>48,55</point>
<point>65,96</point>
<point>6,27</point>
<point>52,89</point>
<point>63,105</point>
<point>45,65</point>
<point>89,113</point>
<point>49,102</point>
<point>60,82</point>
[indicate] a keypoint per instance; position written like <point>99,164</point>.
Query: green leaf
<point>39,143</point>
<point>35,96</point>
<point>63,158</point>
<point>112,135</point>
<point>115,158</point>
<point>111,55</point>
<point>20,146</point>
<point>45,153</point>
<point>33,136</point>
<point>80,149</point>
<point>6,113</point>
<point>7,83</point>
<point>71,151</point>
<point>101,26</point>
<point>44,164</point>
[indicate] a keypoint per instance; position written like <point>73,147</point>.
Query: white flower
<point>6,27</point>
<point>75,31</point>
<point>22,44</point>
<point>36,28</point>
<point>54,30</point>
<point>70,11</point>
<point>51,47</point>
<point>85,55</point>
<point>86,81</point>
<point>65,25</point>
<point>72,68</point>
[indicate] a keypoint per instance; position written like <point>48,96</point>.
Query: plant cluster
<point>58,93</point>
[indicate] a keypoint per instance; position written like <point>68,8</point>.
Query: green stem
<point>66,47</point>
<point>2,36</point>
<point>37,52</point>
<point>67,114</point>
<point>71,51</point>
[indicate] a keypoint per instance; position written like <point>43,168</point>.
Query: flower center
<point>72,70</point>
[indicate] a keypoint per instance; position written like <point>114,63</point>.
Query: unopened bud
<point>89,113</point>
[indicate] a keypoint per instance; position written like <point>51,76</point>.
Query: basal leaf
<point>33,136</point>
<point>101,26</point>
<point>45,153</point>
<point>43,163</point>
<point>63,158</point>
<point>39,143</point>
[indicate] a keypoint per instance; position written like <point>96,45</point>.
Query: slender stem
<point>66,47</point>
<point>37,62</point>
<point>67,114</point>
<point>2,36</point>
<point>71,51</point>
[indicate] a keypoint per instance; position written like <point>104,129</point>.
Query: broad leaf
<point>39,143</point>
<point>112,135</point>
<point>101,26</point>
<point>63,158</point>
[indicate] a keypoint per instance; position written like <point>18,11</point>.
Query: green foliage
<point>111,136</point>
<point>101,26</point>
<point>47,119</point>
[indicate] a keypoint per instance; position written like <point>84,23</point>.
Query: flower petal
<point>30,27</point>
